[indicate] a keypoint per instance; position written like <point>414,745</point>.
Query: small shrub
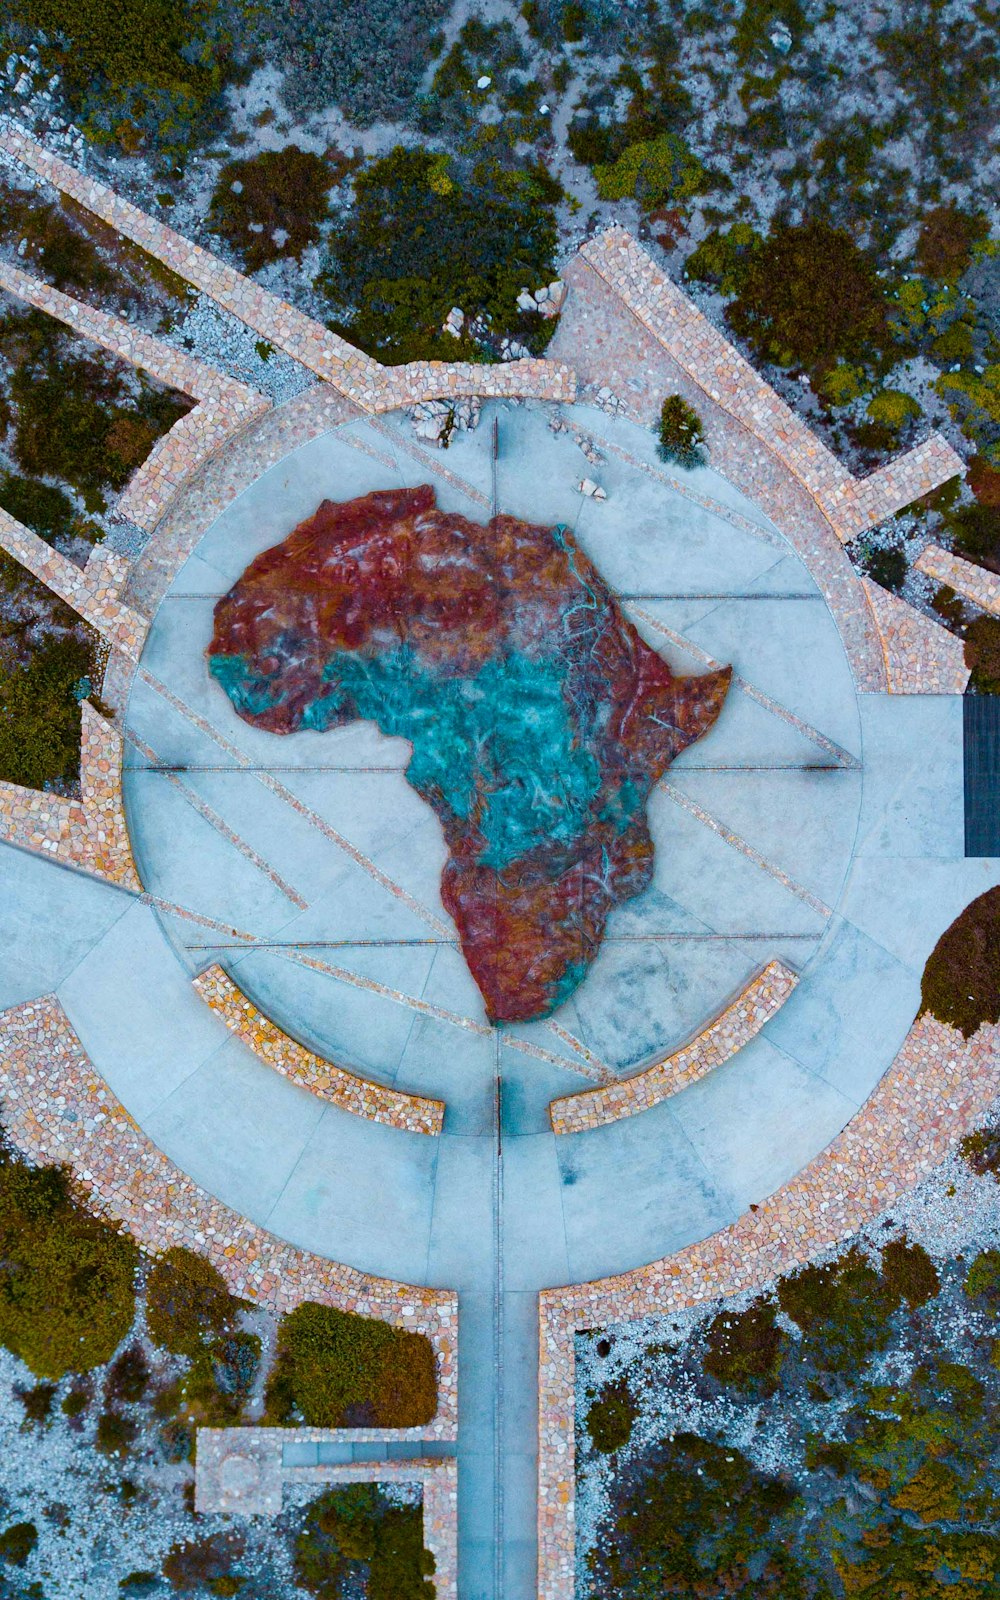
<point>961,981</point>
<point>337,1370</point>
<point>945,244</point>
<point>37,1402</point>
<point>40,714</point>
<point>982,654</point>
<point>66,1279</point>
<point>981,1150</point>
<point>910,1273</point>
<point>196,1566</point>
<point>188,1304</point>
<point>679,434</point>
<point>128,1376</point>
<point>809,298</point>
<point>843,1309</point>
<point>17,1543</point>
<point>746,1348</point>
<point>46,510</point>
<point>893,409</point>
<point>346,1531</point>
<point>652,171</point>
<point>77,1400</point>
<point>137,1585</point>
<point>276,191</point>
<point>574,22</point>
<point>976,531</point>
<point>982,1281</point>
<point>115,1434</point>
<point>887,567</point>
<point>610,1418</point>
<point>984,481</point>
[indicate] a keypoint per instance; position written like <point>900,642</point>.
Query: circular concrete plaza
<point>315,845</point>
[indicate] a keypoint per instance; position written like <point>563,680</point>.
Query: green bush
<point>188,1303</point>
<point>115,1433</point>
<point>610,1417</point>
<point>982,654</point>
<point>66,1279</point>
<point>367,57</point>
<point>212,1393</point>
<point>695,1518</point>
<point>428,233</point>
<point>981,1150</point>
<point>37,1402</point>
<point>17,1543</point>
<point>654,172</point>
<point>148,67</point>
<point>909,1273</point>
<point>892,408</point>
<point>40,714</point>
<point>887,567</point>
<point>843,1309</point>
<point>961,980</point>
<point>355,1533</point>
<point>679,436</point>
<point>982,1281</point>
<point>746,1348</point>
<point>338,1370</point>
<point>199,1566</point>
<point>277,190</point>
<point>128,1376</point>
<point>809,298</point>
<point>46,510</point>
<point>976,531</point>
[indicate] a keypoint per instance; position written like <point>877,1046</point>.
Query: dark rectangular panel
<point>981,744</point>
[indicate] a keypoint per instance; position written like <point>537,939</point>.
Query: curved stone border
<point>362,1096</point>
<point>88,833</point>
<point>936,1090</point>
<point>744,1017</point>
<point>921,657</point>
<point>849,504</point>
<point>362,379</point>
<point>973,583</point>
<point>241,1471</point>
<point>56,1108</point>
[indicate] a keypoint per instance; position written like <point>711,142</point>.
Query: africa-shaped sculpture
<point>539,719</point>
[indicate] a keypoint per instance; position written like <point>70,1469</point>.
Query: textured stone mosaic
<point>921,657</point>
<point>972,582</point>
<point>346,1089</point>
<point>57,1109</point>
<point>538,716</point>
<point>729,1032</point>
<point>89,833</point>
<point>936,1090</point>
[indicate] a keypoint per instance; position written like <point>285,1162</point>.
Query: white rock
<point>483,82</point>
<point>543,111</point>
<point>236,187</point>
<point>591,489</point>
<point>526,301</point>
<point>22,247</point>
<point>23,84</point>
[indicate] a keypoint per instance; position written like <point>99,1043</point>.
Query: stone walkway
<point>974,583</point>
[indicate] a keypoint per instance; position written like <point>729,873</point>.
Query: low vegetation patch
<point>67,1279</point>
<point>338,1370</point>
<point>961,981</point>
<point>273,204</point>
<point>353,1541</point>
<point>680,439</point>
<point>427,233</point>
<point>40,713</point>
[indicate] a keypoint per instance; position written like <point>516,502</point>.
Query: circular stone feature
<point>539,719</point>
<point>239,1477</point>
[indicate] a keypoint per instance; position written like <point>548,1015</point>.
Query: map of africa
<point>539,719</point>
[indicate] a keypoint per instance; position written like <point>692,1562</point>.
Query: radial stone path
<point>812,826</point>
